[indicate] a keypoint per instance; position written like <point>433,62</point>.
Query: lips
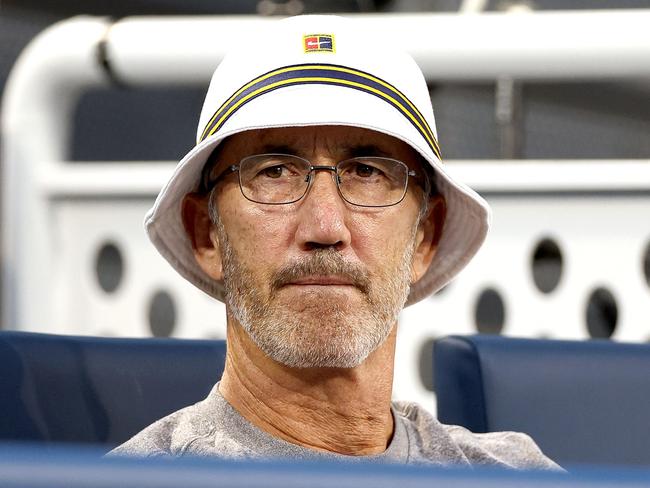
<point>322,268</point>
<point>322,281</point>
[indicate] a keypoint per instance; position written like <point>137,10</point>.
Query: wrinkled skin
<point>315,285</point>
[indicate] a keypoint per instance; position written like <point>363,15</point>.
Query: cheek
<point>260,236</point>
<point>265,237</point>
<point>381,240</point>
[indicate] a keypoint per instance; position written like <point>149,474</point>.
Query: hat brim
<point>468,215</point>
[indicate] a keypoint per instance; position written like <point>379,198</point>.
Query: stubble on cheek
<point>309,326</point>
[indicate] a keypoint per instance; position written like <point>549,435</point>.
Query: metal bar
<point>557,175</point>
<point>541,46</point>
<point>39,99</point>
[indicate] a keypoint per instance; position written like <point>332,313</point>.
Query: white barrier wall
<point>602,231</point>
<point>597,213</point>
<point>76,260</point>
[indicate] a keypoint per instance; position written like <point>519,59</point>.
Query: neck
<point>342,410</point>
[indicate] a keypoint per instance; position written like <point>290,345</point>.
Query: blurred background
<point>560,160</point>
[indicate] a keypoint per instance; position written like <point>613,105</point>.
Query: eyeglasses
<point>278,179</point>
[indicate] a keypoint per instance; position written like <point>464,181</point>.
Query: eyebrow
<point>350,151</point>
<point>278,149</point>
<point>367,150</point>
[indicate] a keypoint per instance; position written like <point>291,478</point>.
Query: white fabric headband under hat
<point>319,70</point>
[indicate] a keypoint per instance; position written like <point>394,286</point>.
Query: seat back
<point>582,401</point>
<point>57,388</point>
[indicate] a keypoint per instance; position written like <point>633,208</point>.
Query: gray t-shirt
<point>212,427</point>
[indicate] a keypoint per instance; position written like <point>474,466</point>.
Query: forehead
<point>337,142</point>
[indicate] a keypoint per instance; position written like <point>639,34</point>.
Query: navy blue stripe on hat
<point>324,74</point>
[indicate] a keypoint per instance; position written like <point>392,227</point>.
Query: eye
<point>365,170</point>
<point>362,169</point>
<point>274,171</point>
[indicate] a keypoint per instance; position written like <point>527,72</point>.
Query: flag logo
<point>313,43</point>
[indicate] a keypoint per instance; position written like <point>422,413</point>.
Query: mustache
<point>322,262</point>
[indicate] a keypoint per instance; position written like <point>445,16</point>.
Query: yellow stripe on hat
<point>394,96</point>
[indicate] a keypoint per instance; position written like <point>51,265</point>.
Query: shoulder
<point>507,449</point>
<point>171,435</point>
<point>512,449</point>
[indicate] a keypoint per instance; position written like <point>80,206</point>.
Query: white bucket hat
<point>319,70</point>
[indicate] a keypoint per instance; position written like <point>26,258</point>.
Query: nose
<point>322,214</point>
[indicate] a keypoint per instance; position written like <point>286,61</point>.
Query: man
<point>316,207</point>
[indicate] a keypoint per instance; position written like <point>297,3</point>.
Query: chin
<point>318,358</point>
<point>321,344</point>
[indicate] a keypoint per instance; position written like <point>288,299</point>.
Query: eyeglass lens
<point>283,178</point>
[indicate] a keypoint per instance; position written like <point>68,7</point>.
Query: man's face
<point>319,282</point>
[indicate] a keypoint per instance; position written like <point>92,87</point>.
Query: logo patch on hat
<point>313,43</point>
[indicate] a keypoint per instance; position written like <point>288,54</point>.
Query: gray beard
<point>320,331</point>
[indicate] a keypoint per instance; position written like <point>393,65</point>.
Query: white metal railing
<point>54,213</point>
<point>63,61</point>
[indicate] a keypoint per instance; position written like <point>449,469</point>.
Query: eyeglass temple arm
<point>208,185</point>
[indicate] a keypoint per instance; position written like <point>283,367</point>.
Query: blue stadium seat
<point>37,467</point>
<point>582,401</point>
<point>95,390</point>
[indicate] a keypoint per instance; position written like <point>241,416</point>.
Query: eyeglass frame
<point>207,187</point>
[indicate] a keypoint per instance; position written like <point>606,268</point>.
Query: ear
<point>201,232</point>
<point>428,236</point>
